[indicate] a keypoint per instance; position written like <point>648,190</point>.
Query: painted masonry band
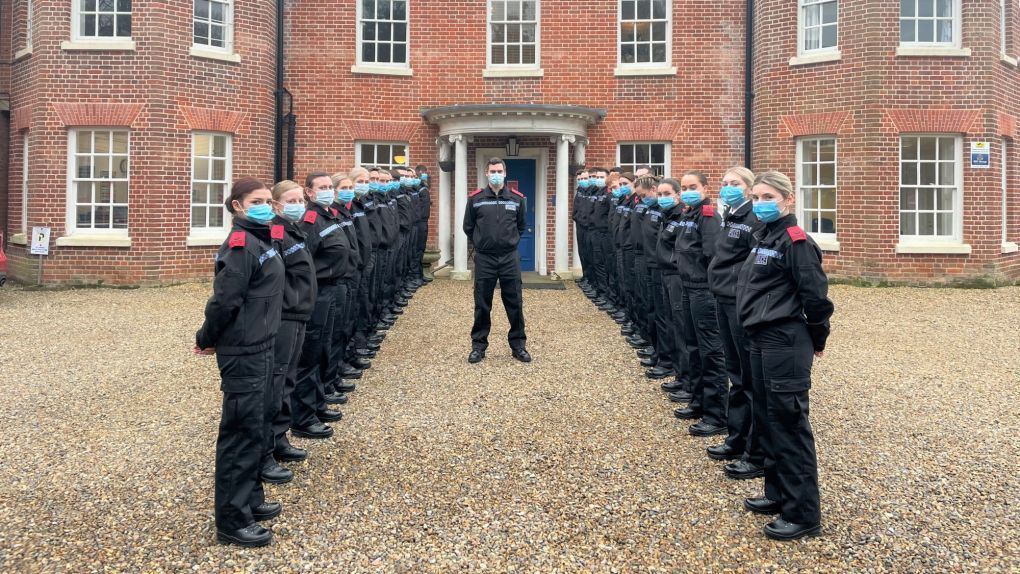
<point>817,115</point>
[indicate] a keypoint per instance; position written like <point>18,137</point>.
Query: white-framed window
<point>24,182</point>
<point>930,22</point>
<point>28,24</point>
<point>818,25</point>
<point>931,187</point>
<point>1005,191</point>
<point>211,168</point>
<point>655,155</point>
<point>98,177</point>
<point>213,24</point>
<point>514,33</point>
<point>381,154</point>
<point>645,38</point>
<point>816,185</point>
<point>383,32</point>
<point>101,19</point>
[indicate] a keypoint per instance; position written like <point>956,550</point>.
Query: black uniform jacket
<point>366,204</point>
<point>695,243</point>
<point>651,225</point>
<point>386,205</point>
<point>243,314</point>
<point>495,221</point>
<point>732,244</point>
<point>624,237</point>
<point>637,222</point>
<point>300,288</point>
<point>782,279</point>
<point>669,228</point>
<point>405,210</point>
<point>424,204</point>
<point>600,210</point>
<point>328,244</point>
<point>348,222</point>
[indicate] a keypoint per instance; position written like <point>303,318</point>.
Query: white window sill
<point>125,45</point>
<point>513,73</point>
<point>644,71</point>
<point>942,51</point>
<point>23,53</point>
<point>826,244</point>
<point>19,239</point>
<point>206,240</point>
<point>200,52</point>
<point>1007,247</point>
<point>934,248</point>
<point>816,58</point>
<point>1008,60</point>
<point>381,70</point>
<point>85,240</point>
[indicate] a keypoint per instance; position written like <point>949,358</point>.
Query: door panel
<point>521,175</point>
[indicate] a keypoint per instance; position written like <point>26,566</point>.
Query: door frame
<point>541,157</point>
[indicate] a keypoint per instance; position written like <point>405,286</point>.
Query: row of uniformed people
<point>307,284</point>
<point>731,307</point>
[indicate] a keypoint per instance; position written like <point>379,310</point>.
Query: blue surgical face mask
<point>648,200</point>
<point>406,182</point>
<point>583,183</point>
<point>416,181</point>
<point>690,197</point>
<point>766,211</point>
<point>599,183</point>
<point>625,190</point>
<point>667,202</point>
<point>731,195</point>
<point>394,186</point>
<point>361,188</point>
<point>261,213</point>
<point>294,211</point>
<point>496,179</point>
<point>424,177</point>
<point>345,195</point>
<point>325,197</point>
<point>374,186</point>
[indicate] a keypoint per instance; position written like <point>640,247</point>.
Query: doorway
<point>520,175</point>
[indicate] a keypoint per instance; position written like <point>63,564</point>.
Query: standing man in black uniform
<point>494,221</point>
<point>424,213</point>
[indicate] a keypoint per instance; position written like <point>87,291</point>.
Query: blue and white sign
<point>980,155</point>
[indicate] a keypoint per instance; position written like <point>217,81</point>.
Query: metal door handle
<point>530,230</point>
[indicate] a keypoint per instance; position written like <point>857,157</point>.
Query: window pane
<point>810,199</point>
<point>529,10</point>
<point>829,12</point>
<point>659,9</point>
<point>945,8</point>
<point>102,215</point>
<point>120,192</point>
<point>908,225</point>
<point>947,148</point>
<point>120,220</point>
<point>644,32</point>
<point>812,16</point>
<point>827,222</point>
<point>216,193</point>
<point>627,53</point>
<point>642,153</point>
<point>627,33</point>
<point>627,11</point>
<point>202,9</point>
<point>945,224</point>
<point>627,154</point>
<point>201,168</point>
<point>84,193</point>
<point>643,53</point>
<point>907,31</point>
<point>659,31</point>
<point>84,141</point>
<point>101,167</point>
<point>367,52</point>
<point>945,31</point>
<point>102,142</point>
<point>827,150</point>
<point>89,5</point>
<point>104,192</point>
<point>928,148</point>
<point>385,31</point>
<point>658,153</point>
<point>513,54</point>
<point>198,216</point>
<point>928,173</point>
<point>906,7</point>
<point>219,169</point>
<point>382,9</point>
<point>400,53</point>
<point>827,174</point>
<point>497,55</point>
<point>926,8</point>
<point>513,33</point>
<point>400,10</point>
<point>220,146</point>
<point>828,197</point>
<point>946,199</point>
<point>88,25</point>
<point>829,37</point>
<point>400,32</point>
<point>908,173</point>
<point>120,142</point>
<point>926,223</point>
<point>513,11</point>
<point>909,148</point>
<point>925,30</point>
<point>528,33</point>
<point>658,52</point>
<point>215,217</point>
<point>908,199</point>
<point>83,216</point>
<point>367,154</point>
<point>808,174</point>
<point>217,13</point>
<point>644,9</point>
<point>926,199</point>
<point>528,54</point>
<point>383,53</point>
<point>812,39</point>
<point>368,31</point>
<point>83,167</point>
<point>124,25</point>
<point>947,173</point>
<point>106,25</point>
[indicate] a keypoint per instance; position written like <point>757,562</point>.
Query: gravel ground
<point>573,463</point>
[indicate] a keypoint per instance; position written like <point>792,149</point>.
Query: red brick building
<point>128,119</point>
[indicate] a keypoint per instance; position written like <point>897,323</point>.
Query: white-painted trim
<point>19,239</point>
<point>22,54</point>
<point>89,240</point>
<point>932,50</point>
<point>513,73</point>
<point>206,240</point>
<point>24,181</point>
<point>357,152</point>
<point>517,124</point>
<point>541,157</point>
<point>624,70</point>
<point>667,168</point>
<point>214,232</point>
<point>829,239</point>
<point>957,42</point>
<point>933,248</point>
<point>200,51</point>
<point>803,54</point>
<point>382,70</point>
<point>826,244</point>
<point>120,45</point>
<point>71,200</point>
<point>1004,183</point>
<point>816,57</point>
<point>1007,247</point>
<point>928,240</point>
<point>1010,60</point>
<point>495,68</point>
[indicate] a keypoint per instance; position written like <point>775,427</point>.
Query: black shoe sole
<point>706,434</point>
<point>762,511</point>
<point>813,531</point>
<point>329,419</point>
<point>224,539</point>
<point>676,400</point>
<point>687,417</point>
<point>658,377</point>
<point>290,458</point>
<point>342,401</point>
<point>303,434</point>
<point>265,517</point>
<point>274,481</point>
<point>745,475</point>
<point>723,456</point>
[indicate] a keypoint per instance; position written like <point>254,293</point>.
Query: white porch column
<point>579,157</point>
<point>561,259</point>
<point>460,244</point>
<point>445,252</point>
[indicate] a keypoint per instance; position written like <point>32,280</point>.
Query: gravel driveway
<point>573,463</point>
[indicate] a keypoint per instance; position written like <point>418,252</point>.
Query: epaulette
<point>708,210</point>
<point>475,192</point>
<point>311,216</point>
<point>276,232</point>
<point>333,211</point>
<point>796,233</point>
<point>517,193</point>
<point>237,239</point>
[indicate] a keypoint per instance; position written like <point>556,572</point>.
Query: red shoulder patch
<point>517,193</point>
<point>708,210</point>
<point>796,233</point>
<point>475,192</point>
<point>333,211</point>
<point>310,216</point>
<point>276,232</point>
<point>237,239</point>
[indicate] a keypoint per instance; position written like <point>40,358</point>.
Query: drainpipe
<point>748,82</point>
<point>278,94</point>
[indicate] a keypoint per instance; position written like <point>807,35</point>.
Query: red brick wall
<point>871,86</point>
<point>162,78</point>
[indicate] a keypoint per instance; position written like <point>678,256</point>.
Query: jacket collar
<point>259,230</point>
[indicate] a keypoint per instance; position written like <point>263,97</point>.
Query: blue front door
<point>520,175</point>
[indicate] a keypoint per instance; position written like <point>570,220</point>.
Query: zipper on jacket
<point>765,309</point>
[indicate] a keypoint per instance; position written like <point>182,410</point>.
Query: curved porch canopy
<point>566,123</point>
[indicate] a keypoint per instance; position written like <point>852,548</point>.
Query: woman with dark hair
<point>241,321</point>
